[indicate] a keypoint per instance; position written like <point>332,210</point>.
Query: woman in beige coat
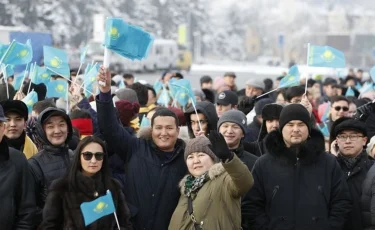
<point>211,192</point>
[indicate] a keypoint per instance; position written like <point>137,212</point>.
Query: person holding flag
<point>88,179</point>
<point>154,166</point>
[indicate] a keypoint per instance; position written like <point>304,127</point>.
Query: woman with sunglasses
<point>87,179</point>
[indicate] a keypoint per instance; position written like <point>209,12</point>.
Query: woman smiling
<point>211,192</point>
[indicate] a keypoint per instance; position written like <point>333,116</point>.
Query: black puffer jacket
<point>16,191</point>
<point>308,192</point>
<point>151,177</point>
<point>355,178</point>
<point>62,209</point>
<point>50,163</point>
<point>208,110</point>
<point>368,200</point>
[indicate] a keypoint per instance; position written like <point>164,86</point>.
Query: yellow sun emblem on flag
<point>100,207</point>
<point>328,56</point>
<point>29,102</point>
<point>92,79</point>
<point>182,95</point>
<point>23,53</point>
<point>55,62</point>
<point>113,33</point>
<point>45,75</point>
<point>60,88</point>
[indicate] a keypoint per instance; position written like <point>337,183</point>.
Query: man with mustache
<point>297,185</point>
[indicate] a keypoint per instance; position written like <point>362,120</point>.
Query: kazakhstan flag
<point>182,91</point>
<point>39,75</point>
<point>30,100</point>
<point>18,53</point>
<point>57,88</point>
<point>291,79</point>
<point>98,208</point>
<point>325,56</point>
<point>56,61</point>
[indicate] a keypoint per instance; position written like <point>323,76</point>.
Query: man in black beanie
<point>297,184</point>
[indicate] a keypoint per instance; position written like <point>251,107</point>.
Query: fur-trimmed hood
<point>309,152</point>
<point>215,171</point>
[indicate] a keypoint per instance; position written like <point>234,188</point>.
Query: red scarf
<point>84,125</point>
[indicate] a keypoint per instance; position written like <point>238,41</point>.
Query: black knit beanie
<point>294,112</point>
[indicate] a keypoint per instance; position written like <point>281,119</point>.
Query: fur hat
<point>199,144</point>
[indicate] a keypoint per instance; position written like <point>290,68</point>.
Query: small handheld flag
<point>372,74</point>
<point>57,88</point>
<point>325,56</point>
<point>56,61</point>
<point>97,208</point>
<point>291,79</point>
<point>18,53</point>
<point>30,100</point>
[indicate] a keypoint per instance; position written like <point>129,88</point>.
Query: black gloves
<point>364,111</point>
<point>247,104</point>
<point>219,146</point>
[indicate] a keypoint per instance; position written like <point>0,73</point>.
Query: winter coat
<point>16,191</point>
<point>368,200</point>
<point>62,208</point>
<point>355,179</point>
<point>254,130</point>
<point>308,192</point>
<point>208,110</point>
<point>151,178</point>
<point>257,147</point>
<point>49,164</point>
<point>217,204</point>
<point>249,160</point>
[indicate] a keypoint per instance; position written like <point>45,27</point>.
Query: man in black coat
<point>16,188</point>
<point>232,125</point>
<point>154,166</point>
<point>351,136</point>
<point>55,130</point>
<point>296,184</point>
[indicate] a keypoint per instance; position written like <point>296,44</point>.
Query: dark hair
<point>310,82</point>
<point>42,105</point>
<point>128,76</point>
<point>78,113</point>
<point>76,166</point>
<point>338,98</point>
<point>230,74</point>
<point>178,75</point>
<point>268,83</point>
<point>113,83</point>
<point>359,71</point>
<point>142,93</point>
<point>348,78</point>
<point>295,91</point>
<point>164,112</point>
<point>329,81</point>
<point>205,79</point>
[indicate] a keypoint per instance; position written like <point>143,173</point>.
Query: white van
<point>163,55</point>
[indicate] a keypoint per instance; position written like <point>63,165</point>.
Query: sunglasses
<point>88,156</point>
<point>344,108</point>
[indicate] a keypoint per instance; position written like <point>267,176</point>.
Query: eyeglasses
<point>88,156</point>
<point>344,137</point>
<point>344,108</point>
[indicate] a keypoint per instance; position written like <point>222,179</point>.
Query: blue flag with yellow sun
<point>39,75</point>
<point>127,40</point>
<point>56,61</point>
<point>30,100</point>
<point>18,53</point>
<point>325,56</point>
<point>182,91</point>
<point>98,208</point>
<point>57,88</point>
<point>291,79</point>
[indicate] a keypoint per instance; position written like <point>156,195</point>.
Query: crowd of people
<point>244,156</point>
